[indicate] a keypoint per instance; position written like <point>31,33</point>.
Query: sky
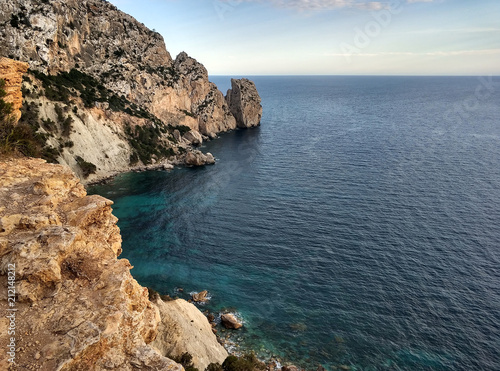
<point>329,37</point>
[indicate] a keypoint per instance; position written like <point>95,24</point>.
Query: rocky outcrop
<point>95,37</point>
<point>78,307</point>
<point>193,137</point>
<point>12,72</point>
<point>230,321</point>
<point>142,92</point>
<point>184,328</point>
<point>200,297</point>
<point>197,158</point>
<point>244,103</point>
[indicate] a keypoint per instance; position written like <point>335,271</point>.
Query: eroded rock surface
<point>185,329</point>
<point>12,72</point>
<point>244,103</point>
<point>78,306</point>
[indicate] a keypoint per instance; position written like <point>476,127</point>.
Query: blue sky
<point>329,37</point>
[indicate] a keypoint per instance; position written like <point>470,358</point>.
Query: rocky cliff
<point>244,103</point>
<point>76,306</point>
<point>103,89</point>
<point>11,72</point>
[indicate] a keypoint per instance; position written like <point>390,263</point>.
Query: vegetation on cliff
<point>15,139</point>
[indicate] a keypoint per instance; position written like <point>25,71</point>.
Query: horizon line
<point>349,75</point>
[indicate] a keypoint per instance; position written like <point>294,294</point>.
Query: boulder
<point>184,328</point>
<point>197,158</point>
<point>244,103</point>
<point>229,321</point>
<point>168,166</point>
<point>290,368</point>
<point>193,137</point>
<point>177,136</point>
<point>200,297</point>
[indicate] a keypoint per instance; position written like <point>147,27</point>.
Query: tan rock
<point>127,58</point>
<point>230,321</point>
<point>78,307</point>
<point>184,328</point>
<point>193,137</point>
<point>244,103</point>
<point>197,158</point>
<point>200,297</point>
<point>12,72</point>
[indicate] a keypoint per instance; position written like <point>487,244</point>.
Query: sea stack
<point>244,103</point>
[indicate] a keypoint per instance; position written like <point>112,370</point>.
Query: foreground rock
<point>229,321</point>
<point>78,307</point>
<point>12,72</point>
<point>184,328</point>
<point>244,103</point>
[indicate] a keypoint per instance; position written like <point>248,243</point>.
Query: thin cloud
<point>414,54</point>
<point>306,5</point>
<point>456,30</point>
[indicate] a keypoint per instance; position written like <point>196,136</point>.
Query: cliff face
<point>244,103</point>
<point>12,72</point>
<point>103,88</point>
<point>78,307</point>
<point>95,37</point>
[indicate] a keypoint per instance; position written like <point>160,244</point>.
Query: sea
<point>357,228</point>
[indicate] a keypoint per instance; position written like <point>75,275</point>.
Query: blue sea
<point>358,226</point>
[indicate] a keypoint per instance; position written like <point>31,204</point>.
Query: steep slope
<point>103,90</point>
<point>96,38</point>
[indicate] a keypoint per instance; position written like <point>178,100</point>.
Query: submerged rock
<point>244,103</point>
<point>229,321</point>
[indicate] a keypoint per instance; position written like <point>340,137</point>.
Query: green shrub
<point>183,129</point>
<point>87,167</point>
<point>67,125</point>
<point>214,367</point>
<point>186,360</point>
<point>15,138</point>
<point>248,362</point>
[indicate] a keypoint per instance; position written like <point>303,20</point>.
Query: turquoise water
<point>359,225</point>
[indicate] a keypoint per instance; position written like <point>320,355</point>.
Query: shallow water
<point>359,225</point>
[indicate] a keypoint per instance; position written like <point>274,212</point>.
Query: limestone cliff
<point>244,103</point>
<point>78,307</point>
<point>12,72</point>
<point>103,89</point>
<point>94,37</point>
